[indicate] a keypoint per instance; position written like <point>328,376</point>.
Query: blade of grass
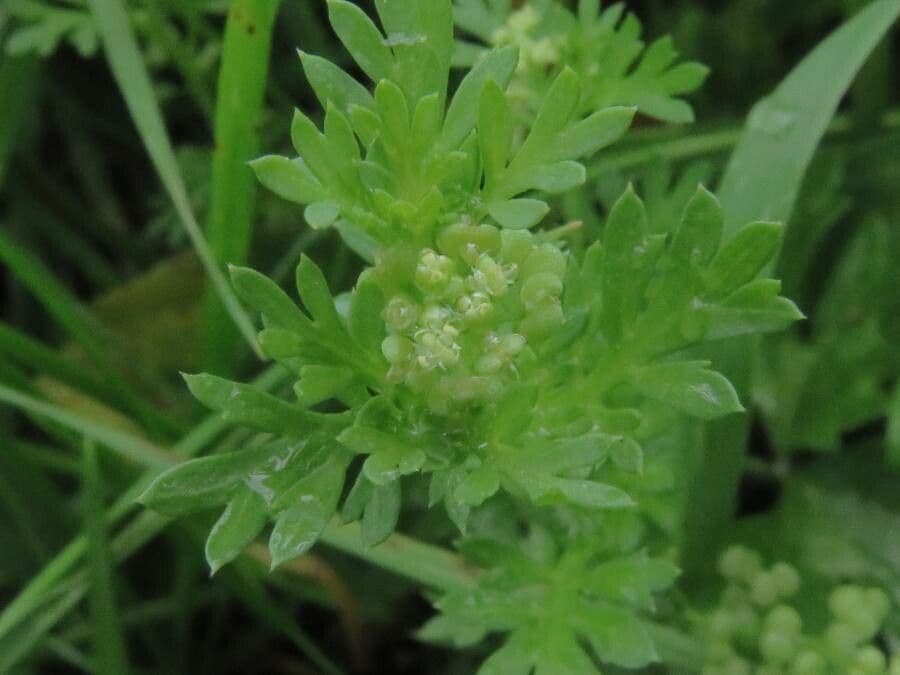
<point>34,594</point>
<point>239,106</point>
<point>109,653</point>
<point>761,182</point>
<point>18,86</point>
<point>765,172</point>
<point>32,354</point>
<point>134,83</point>
<point>80,325</point>
<point>121,442</point>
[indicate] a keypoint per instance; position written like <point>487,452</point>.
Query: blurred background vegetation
<point>103,302</point>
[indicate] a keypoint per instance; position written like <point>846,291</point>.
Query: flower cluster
<point>536,52</point>
<point>756,629</point>
<point>469,310</point>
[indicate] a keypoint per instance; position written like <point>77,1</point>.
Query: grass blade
<point>765,172</point>
<point>110,657</point>
<point>121,442</point>
<point>18,84</point>
<point>242,85</point>
<point>761,182</point>
<point>54,574</point>
<point>134,83</point>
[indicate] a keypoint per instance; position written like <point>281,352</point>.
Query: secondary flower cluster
<point>467,311</point>
<point>756,629</point>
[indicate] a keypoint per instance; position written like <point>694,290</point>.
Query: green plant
<point>472,350</point>
<point>515,376</point>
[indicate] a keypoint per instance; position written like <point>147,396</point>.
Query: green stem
<point>429,565</point>
<point>134,82</point>
<point>241,90</point>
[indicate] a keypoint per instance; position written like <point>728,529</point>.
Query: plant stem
<point>239,106</point>
<point>429,565</point>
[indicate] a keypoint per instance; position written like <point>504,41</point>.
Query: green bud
<point>842,637</point>
<point>784,619</point>
<point>542,320</point>
<point>401,314</point>
<point>545,258</point>
<point>433,271</point>
<point>467,242</point>
<point>786,578</point>
<point>740,564</point>
<point>764,589</point>
<point>777,647</point>
<point>516,246</point>
<point>489,277</point>
<point>397,349</point>
<point>870,661</point>
<point>719,651</point>
<point>844,601</point>
<point>809,663</point>
<point>539,289</point>
<point>475,307</point>
<point>722,624</point>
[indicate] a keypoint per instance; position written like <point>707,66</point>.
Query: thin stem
<point>429,565</point>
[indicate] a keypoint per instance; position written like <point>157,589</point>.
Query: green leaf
<point>632,580</point>
<point>546,489</point>
<point>316,296</point>
<point>754,308</point>
<point>202,483</point>
<point>616,634</point>
<point>690,387</point>
<point>558,108</point>
<point>309,505</point>
<point>364,322</point>
<point>597,131</point>
<point>245,404</point>
<point>264,295</point>
<point>381,513</point>
<point>623,237</point>
<point>390,456</point>
<point>240,523</point>
<point>519,214</point>
<point>700,231</point>
<point>743,257</point>
<point>289,179</point>
<point>321,383</point>
<point>628,455</point>
<point>559,177</point>
<point>495,131</point>
<point>333,85</point>
<point>356,500</point>
<point>320,215</point>
<point>513,658</point>
<point>362,39</point>
<point>478,486</point>
<point>497,66</point>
